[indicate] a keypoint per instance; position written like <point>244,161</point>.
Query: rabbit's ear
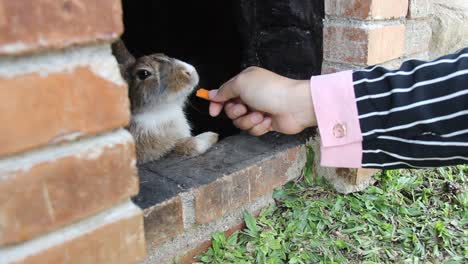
<point>121,53</point>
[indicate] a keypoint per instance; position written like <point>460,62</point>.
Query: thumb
<point>227,92</point>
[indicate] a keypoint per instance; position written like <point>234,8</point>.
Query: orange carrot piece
<point>203,93</point>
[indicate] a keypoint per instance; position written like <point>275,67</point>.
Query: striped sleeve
<point>416,116</point>
<point>413,117</point>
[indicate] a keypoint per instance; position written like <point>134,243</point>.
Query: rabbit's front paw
<point>205,140</point>
<point>193,146</point>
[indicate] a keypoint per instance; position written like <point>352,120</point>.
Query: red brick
<point>367,9</point>
<point>190,256</point>
<point>40,110</point>
<point>220,197</point>
<point>118,239</point>
<point>231,192</point>
<point>164,221</point>
<point>48,189</point>
<point>32,25</point>
<point>363,45</point>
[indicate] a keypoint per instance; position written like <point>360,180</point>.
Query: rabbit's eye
<point>143,74</point>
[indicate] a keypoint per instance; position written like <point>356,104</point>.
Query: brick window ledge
<point>185,199</point>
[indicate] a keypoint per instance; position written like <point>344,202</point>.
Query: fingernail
<point>212,94</point>
<point>256,118</point>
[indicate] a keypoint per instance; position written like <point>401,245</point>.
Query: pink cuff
<point>337,117</point>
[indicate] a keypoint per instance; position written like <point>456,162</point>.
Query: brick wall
<point>67,168</point>
<point>360,33</point>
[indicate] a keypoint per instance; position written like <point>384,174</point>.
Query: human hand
<point>259,101</point>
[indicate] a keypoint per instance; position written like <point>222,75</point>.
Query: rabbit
<point>158,88</point>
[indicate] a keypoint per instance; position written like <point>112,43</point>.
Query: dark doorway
<point>220,38</point>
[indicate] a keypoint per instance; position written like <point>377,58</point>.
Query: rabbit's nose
<point>187,69</point>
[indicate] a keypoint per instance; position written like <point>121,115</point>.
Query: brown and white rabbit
<point>158,89</point>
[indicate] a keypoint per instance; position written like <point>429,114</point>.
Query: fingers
<point>234,111</point>
<point>215,108</point>
<point>228,91</point>
<point>219,96</point>
<point>262,128</point>
<point>248,121</point>
<point>254,122</point>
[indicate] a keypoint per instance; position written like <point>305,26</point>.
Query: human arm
<point>416,116</point>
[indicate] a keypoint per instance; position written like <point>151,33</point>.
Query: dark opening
<point>220,38</point>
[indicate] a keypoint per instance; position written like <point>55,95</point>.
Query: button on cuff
<point>339,130</point>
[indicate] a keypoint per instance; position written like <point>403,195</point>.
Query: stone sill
<point>164,179</point>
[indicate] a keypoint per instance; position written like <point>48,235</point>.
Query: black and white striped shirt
<point>413,117</point>
<point>416,116</point>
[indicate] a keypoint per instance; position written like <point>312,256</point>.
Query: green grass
<point>409,216</point>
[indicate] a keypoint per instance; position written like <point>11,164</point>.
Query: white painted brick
<point>90,148</point>
<point>99,58</point>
